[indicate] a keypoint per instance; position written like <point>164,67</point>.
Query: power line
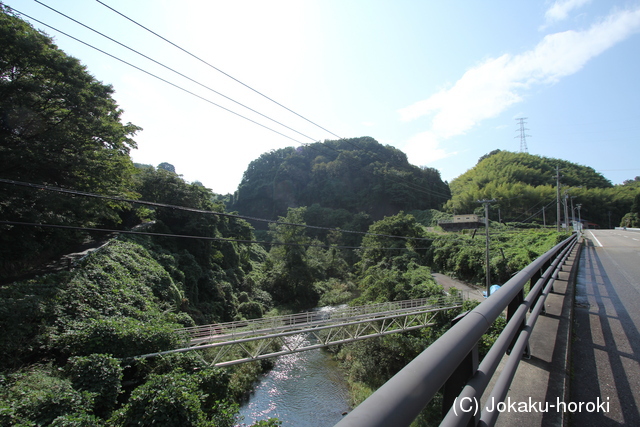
<point>215,68</point>
<point>399,180</point>
<point>189,236</point>
<point>410,185</point>
<point>194,210</point>
<point>174,71</point>
<point>155,76</point>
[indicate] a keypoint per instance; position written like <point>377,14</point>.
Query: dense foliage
<point>524,184</point>
<point>67,336</point>
<point>59,127</point>
<point>355,175</point>
<point>632,218</point>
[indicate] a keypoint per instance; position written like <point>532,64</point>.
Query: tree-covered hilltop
<point>357,175</point>
<point>523,184</point>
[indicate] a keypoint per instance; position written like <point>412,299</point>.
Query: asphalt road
<point>606,347</point>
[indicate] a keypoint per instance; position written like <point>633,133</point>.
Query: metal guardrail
<point>451,363</point>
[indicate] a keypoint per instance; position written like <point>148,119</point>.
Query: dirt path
<point>64,262</point>
<point>469,290</point>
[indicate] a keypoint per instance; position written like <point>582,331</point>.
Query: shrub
<point>81,419</point>
<point>97,373</point>
<point>250,310</point>
<point>179,399</point>
<point>38,398</point>
<point>119,337</point>
<point>171,400</point>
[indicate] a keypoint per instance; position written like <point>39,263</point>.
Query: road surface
<point>468,291</point>
<point>606,347</point>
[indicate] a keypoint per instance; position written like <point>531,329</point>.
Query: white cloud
<point>561,8</point>
<point>488,89</point>
<point>425,148</point>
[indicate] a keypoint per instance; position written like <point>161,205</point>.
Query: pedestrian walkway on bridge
<point>586,350</point>
<point>248,340</point>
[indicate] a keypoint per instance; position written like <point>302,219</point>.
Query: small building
<point>466,218</point>
<point>462,222</point>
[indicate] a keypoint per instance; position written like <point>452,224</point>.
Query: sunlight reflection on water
<point>302,389</point>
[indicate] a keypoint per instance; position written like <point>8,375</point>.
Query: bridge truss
<point>245,341</point>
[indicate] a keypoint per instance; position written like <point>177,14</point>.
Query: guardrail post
<point>511,310</point>
<point>547,265</point>
<point>534,279</point>
<point>460,377</point>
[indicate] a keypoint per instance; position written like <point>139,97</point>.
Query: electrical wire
<point>174,71</point>
<point>401,181</point>
<point>215,68</point>
<point>398,181</point>
<point>194,210</point>
<point>189,236</point>
<point>155,76</point>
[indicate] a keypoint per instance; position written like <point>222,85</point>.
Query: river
<point>302,389</point>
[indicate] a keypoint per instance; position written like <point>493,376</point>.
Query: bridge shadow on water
<point>606,345</point>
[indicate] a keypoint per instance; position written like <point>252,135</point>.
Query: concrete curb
<point>570,295</point>
<point>544,379</point>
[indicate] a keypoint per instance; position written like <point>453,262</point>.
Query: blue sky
<point>442,81</point>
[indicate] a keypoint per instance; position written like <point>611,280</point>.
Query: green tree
<point>167,166</point>
<point>382,245</point>
<point>211,271</point>
<point>289,277</point>
<point>38,396</point>
<point>59,126</point>
<point>632,219</point>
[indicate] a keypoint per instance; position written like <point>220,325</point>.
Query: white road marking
<point>596,239</point>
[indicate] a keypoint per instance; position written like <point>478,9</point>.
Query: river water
<point>302,389</point>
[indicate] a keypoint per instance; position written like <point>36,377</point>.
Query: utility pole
<point>486,227</point>
<point>523,136</point>
<point>566,210</point>
<point>558,195</point>
<point>544,217</point>
<point>579,205</point>
<point>573,212</point>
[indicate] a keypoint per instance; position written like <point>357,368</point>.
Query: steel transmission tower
<point>523,135</point>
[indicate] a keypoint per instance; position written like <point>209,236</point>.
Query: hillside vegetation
<point>351,175</point>
<point>523,184</point>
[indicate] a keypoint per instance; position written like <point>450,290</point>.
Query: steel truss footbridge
<point>249,340</point>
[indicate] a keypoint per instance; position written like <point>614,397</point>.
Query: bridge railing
<point>451,363</point>
<point>224,331</point>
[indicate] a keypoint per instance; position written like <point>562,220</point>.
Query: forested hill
<point>522,184</point>
<point>357,175</point>
<point>500,167</point>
